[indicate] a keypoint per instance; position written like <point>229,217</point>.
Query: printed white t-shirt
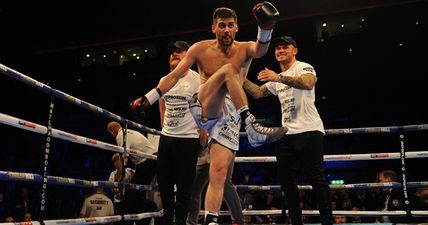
<point>299,113</point>
<point>178,121</point>
<point>97,205</point>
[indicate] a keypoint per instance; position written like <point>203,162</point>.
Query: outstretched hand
<point>267,75</point>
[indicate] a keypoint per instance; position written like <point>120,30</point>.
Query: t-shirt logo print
<point>309,69</point>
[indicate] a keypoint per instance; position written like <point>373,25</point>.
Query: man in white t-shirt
<point>179,143</point>
<point>97,205</point>
<point>145,169</point>
<point>302,146</point>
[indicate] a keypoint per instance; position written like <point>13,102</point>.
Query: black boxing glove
<point>266,16</point>
<point>140,104</point>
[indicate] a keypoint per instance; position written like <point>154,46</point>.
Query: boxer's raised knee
<point>230,70</point>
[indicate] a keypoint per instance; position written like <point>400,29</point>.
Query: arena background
<point>371,72</point>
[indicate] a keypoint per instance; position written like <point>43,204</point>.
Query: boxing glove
<point>266,16</point>
<point>140,104</point>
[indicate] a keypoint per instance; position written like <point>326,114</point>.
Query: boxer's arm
<point>266,16</point>
<point>257,50</point>
<point>165,84</point>
<point>255,90</point>
<point>169,81</point>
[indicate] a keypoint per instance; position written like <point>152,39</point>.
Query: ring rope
<point>65,181</point>
<point>344,157</point>
<point>335,186</point>
<point>92,220</point>
<point>69,181</point>
<point>22,124</point>
<point>132,217</point>
<point>68,98</point>
<point>398,213</point>
<point>26,125</point>
<point>370,130</point>
<point>387,129</point>
<point>37,128</point>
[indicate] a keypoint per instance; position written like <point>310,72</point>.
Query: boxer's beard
<point>226,40</point>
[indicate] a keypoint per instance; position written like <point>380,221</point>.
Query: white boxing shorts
<point>226,130</point>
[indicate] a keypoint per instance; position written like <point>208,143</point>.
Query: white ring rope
<point>335,212</point>
<point>26,125</point>
<point>366,130</point>
<point>336,186</point>
<point>132,217</point>
<point>92,220</point>
<point>37,128</point>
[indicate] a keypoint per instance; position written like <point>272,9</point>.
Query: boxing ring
<point>50,132</point>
